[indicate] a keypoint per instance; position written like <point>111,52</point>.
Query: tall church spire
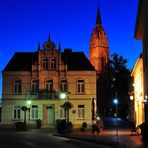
<point>98,19</point>
<point>99,51</point>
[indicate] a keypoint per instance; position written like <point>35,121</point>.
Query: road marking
<point>32,144</point>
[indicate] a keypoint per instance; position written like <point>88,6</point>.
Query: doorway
<point>51,114</point>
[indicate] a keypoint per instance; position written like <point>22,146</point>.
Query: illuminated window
<point>17,112</point>
<point>81,112</point>
<point>34,112</point>
<point>52,63</point>
<point>45,64</point>
<point>80,86</point>
<point>17,86</point>
<point>35,86</point>
<point>49,85</point>
<point>62,112</point>
<point>63,86</point>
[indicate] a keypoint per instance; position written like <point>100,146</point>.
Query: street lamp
<point>63,95</point>
<point>115,101</point>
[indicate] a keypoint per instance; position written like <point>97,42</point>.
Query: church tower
<point>99,58</point>
<point>99,51</point>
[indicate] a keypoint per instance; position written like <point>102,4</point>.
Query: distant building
<point>138,93</point>
<point>41,77</point>
<point>141,33</point>
<point>99,58</point>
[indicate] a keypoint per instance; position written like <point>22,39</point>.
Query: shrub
<point>20,126</point>
<point>63,127</point>
<point>144,130</point>
<point>38,123</point>
<point>84,126</point>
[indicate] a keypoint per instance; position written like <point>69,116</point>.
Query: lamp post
<point>115,101</point>
<point>132,108</point>
<point>28,106</point>
<point>145,107</point>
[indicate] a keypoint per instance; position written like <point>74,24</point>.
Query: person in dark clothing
<point>95,128</point>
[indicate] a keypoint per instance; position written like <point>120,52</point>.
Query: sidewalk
<point>108,137</point>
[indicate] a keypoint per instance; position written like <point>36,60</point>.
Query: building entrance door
<point>51,114</point>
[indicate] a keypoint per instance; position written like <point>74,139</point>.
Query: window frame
<point>52,63</point>
<point>34,112</point>
<point>17,86</point>
<point>49,83</point>
<point>62,112</point>
<point>63,85</point>
<point>81,111</point>
<point>45,64</point>
<point>81,86</point>
<point>16,112</point>
<point>34,89</point>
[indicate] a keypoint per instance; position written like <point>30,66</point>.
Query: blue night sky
<point>24,23</point>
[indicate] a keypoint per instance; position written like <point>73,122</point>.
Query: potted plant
<point>84,126</point>
<point>39,123</point>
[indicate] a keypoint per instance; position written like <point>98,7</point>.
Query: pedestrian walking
<point>95,128</point>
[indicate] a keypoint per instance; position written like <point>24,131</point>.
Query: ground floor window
<point>81,112</point>
<point>17,112</point>
<point>34,112</point>
<point>62,112</point>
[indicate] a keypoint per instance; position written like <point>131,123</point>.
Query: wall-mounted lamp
<point>131,98</point>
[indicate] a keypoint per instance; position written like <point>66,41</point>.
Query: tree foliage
<point>114,82</point>
<point>120,76</point>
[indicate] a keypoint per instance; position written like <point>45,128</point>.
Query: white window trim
<point>80,92</point>
<point>63,112</point>
<point>17,113</point>
<point>17,92</point>
<point>35,86</point>
<point>46,83</point>
<point>35,109</point>
<point>81,109</point>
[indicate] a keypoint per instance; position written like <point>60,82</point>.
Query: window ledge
<point>16,119</point>
<point>80,118</point>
